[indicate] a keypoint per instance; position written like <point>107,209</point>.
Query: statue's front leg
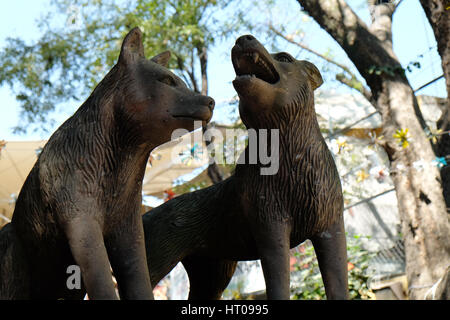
<point>126,248</point>
<point>331,251</point>
<point>273,244</point>
<point>88,249</point>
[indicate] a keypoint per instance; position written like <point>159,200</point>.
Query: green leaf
<point>66,61</point>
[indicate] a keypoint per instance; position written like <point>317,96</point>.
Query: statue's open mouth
<point>253,64</point>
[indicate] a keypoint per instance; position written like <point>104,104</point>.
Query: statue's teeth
<point>255,57</point>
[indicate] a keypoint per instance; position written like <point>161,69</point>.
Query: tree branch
<point>352,34</point>
<point>397,4</point>
<point>186,79</point>
<point>303,46</point>
<point>357,85</point>
<point>351,81</point>
<point>203,57</point>
<point>181,66</point>
<point>191,73</point>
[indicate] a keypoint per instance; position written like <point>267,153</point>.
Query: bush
<point>306,280</point>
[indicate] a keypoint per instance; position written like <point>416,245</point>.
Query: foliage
<point>236,293</point>
<point>359,271</point>
<point>69,59</point>
<point>388,70</point>
<point>190,187</point>
<point>308,282</point>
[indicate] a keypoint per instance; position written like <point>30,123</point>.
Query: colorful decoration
<point>440,162</point>
<point>433,135</point>
<point>160,292</point>
<point>339,146</point>
<point>150,160</point>
<point>402,137</point>
<point>362,175</point>
<point>168,195</point>
<point>153,157</point>
<point>422,165</point>
<point>380,173</point>
<point>191,154</point>
<point>342,144</point>
<point>367,165</point>
<point>292,263</point>
<point>350,266</point>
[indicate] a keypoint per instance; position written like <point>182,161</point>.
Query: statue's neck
<point>292,128</point>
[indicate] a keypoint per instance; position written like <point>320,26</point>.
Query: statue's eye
<point>168,80</point>
<point>284,57</point>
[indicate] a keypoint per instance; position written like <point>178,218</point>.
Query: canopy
<point>16,160</point>
<point>172,161</point>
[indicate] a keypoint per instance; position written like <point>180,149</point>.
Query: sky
<point>411,31</point>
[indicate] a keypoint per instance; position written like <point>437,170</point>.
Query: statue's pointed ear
<point>132,47</point>
<point>313,74</point>
<point>162,58</point>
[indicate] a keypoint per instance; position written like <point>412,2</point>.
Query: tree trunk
<point>214,173</point>
<point>421,205</point>
<point>439,17</point>
<point>438,14</point>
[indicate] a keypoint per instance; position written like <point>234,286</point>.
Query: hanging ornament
<point>440,162</point>
<point>342,144</point>
<point>168,195</point>
<point>191,154</point>
<point>339,145</point>
<point>380,173</point>
<point>361,175</point>
<point>403,137</point>
<point>433,135</point>
<point>153,157</point>
<point>150,160</point>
